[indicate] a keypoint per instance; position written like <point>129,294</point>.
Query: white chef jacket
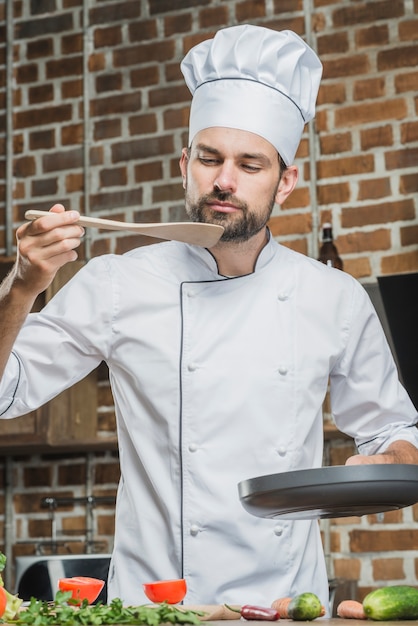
<point>215,380</point>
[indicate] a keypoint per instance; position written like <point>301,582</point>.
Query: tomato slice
<point>82,587</point>
<point>3,601</point>
<point>170,591</point>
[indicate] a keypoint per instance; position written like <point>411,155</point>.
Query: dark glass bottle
<point>328,252</point>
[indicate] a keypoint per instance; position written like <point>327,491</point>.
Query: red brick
<point>74,182</point>
<point>72,474</point>
<point>96,62</point>
<point>337,43</point>
<point>114,12</point>
<point>168,95</point>
<point>346,166</point>
<point>289,224</point>
<point>174,24</point>
<point>109,82</point>
<point>71,135</point>
<point>348,569</point>
<point>64,160</point>
<point>409,235</point>
<point>43,116</point>
<point>249,10</point>
<point>164,193</point>
<point>358,242</point>
<point>398,263</point>
<point>107,37</point>
<point>371,112</point>
<point>64,67</point>
<point>42,139</point>
<point>346,66</point>
<point>37,476</point>
<point>148,171</point>
<point>113,177</point>
<point>176,118</point>
<point>72,88</point>
<point>354,14</point>
<point>399,159</point>
<point>115,199</point>
<point>213,16</point>
<point>408,183</point>
<point>378,213</point>
<point>144,76</point>
<point>373,188</point>
<point>378,136</point>
<point>408,30</point>
<point>24,166</point>
<point>383,540</point>
<point>333,193</point>
<point>44,187</point>
<point>409,132</point>
<point>333,144</point>
<point>142,148</point>
<point>406,82</point>
<point>39,48</point>
<point>369,88</point>
<point>298,199</point>
<point>41,93</point>
<point>163,6</point>
<point>333,93</point>
<point>388,569</point>
<point>112,105</point>
<point>376,36</point>
<point>142,124</point>
<point>52,25</point>
<point>144,53</point>
<point>70,44</point>
<point>396,58</point>
<point>107,128</point>
<point>27,73</point>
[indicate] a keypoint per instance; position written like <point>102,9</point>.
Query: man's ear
<point>287,183</point>
<point>184,159</point>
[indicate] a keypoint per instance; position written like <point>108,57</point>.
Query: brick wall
<point>99,118</point>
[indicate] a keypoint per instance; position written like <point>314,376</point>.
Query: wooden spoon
<point>205,235</point>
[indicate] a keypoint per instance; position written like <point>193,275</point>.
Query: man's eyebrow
<point>255,156</point>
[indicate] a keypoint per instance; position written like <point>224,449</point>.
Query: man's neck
<point>239,258</point>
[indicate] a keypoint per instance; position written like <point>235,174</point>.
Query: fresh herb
<point>63,613</point>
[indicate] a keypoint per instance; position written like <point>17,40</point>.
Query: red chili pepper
<point>250,612</point>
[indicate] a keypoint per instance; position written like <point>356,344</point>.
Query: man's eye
<point>208,161</point>
<point>251,168</point>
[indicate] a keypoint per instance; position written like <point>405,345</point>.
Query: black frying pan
<point>337,491</point>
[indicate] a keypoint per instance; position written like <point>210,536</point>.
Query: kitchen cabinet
<point>68,421</point>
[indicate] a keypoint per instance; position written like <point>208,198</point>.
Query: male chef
<point>219,359</point>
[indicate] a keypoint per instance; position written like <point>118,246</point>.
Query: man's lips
<point>223,207</point>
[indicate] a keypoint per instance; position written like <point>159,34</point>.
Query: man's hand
<point>45,245</point>
<point>397,452</point>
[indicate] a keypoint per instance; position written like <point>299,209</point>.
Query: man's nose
<point>226,179</point>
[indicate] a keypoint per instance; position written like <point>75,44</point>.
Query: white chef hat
<point>256,79</point>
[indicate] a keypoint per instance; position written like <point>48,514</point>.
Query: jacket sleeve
<point>367,400</point>
<point>60,345</point>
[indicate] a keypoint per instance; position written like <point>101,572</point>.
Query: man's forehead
<point>233,142</point>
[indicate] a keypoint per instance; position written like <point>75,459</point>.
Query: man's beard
<point>238,226</point>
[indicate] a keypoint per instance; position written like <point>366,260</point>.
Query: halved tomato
<point>3,601</point>
<point>82,587</point>
<point>170,591</point>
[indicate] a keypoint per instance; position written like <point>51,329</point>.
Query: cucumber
<point>390,603</point>
<point>305,607</point>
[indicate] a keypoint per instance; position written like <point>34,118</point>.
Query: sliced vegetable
<point>12,602</point>
<point>393,602</point>
<point>170,591</point>
<point>82,588</point>
<point>3,601</point>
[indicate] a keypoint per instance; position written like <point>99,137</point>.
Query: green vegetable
<point>390,603</point>
<point>62,612</point>
<point>305,607</point>
<point>13,602</point>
